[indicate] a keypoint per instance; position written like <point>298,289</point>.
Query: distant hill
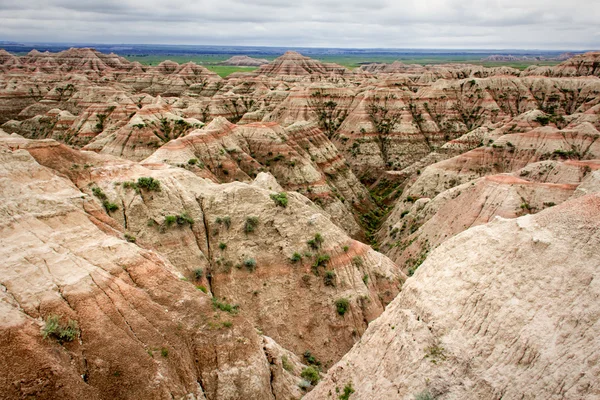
<point>245,61</point>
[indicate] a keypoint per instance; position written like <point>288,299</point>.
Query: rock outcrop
<point>502,310</point>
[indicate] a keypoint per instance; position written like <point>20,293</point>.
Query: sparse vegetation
<point>311,374</point>
<point>251,224</point>
<point>164,352</point>
<point>223,306</point>
<point>329,278</point>
<point>53,328</point>
<point>130,238</point>
<point>149,184</point>
<point>296,257</point>
<point>342,306</point>
<point>286,364</point>
<point>226,220</point>
<point>198,273</point>
<point>280,199</point>
<point>316,242</point>
<point>311,360</point>
<point>250,264</point>
<point>424,395</point>
<point>348,390</point>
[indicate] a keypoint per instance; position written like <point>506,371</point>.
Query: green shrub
<point>348,390</point>
<point>130,238</point>
<point>232,309</point>
<point>170,219</point>
<point>193,161</point>
<point>329,278</point>
<point>322,260</point>
<point>424,395</point>
<point>316,242</point>
<point>251,224</point>
<point>365,279</point>
<point>149,184</point>
<point>198,273</point>
<point>311,374</point>
<point>342,305</point>
<point>286,364</point>
<point>310,359</point>
<point>164,352</point>
<point>110,207</point>
<point>202,288</point>
<point>222,246</point>
<point>250,263</point>
<point>280,199</point>
<point>99,193</point>
<point>62,332</point>
<point>543,119</point>
<point>346,248</point>
<point>131,185</point>
<point>224,220</point>
<point>296,257</point>
<point>184,218</point>
<point>227,324</point>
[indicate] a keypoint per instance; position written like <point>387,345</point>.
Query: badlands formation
<point>302,230</point>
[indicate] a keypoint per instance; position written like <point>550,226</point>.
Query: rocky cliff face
<point>502,310</point>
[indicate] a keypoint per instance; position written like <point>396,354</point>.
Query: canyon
<point>298,230</point>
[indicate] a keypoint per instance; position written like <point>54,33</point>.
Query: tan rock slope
<point>502,310</point>
<point>137,330</point>
<point>239,244</point>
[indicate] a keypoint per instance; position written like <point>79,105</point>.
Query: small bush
<point>346,248</point>
<point>164,352</point>
<point>316,242</point>
<point>99,193</point>
<point>170,220</point>
<point>348,390</point>
<point>329,278</point>
<point>149,184</point>
<point>222,246</point>
<point>250,263</point>
<point>424,395</point>
<point>232,309</point>
<point>131,185</point>
<point>61,332</point>
<point>202,288</point>
<point>311,374</point>
<point>322,260</point>
<point>130,238</point>
<point>184,218</point>
<point>226,220</point>
<point>110,207</point>
<point>296,257</point>
<point>251,224</point>
<point>365,279</point>
<point>310,359</point>
<point>198,273</point>
<point>227,324</point>
<point>543,119</point>
<point>280,199</point>
<point>342,305</point>
<point>287,365</point>
<point>193,161</point>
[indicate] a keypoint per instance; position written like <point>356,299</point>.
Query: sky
<point>443,24</point>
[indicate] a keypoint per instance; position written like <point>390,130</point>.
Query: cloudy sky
<point>515,24</point>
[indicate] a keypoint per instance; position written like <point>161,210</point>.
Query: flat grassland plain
<point>212,56</point>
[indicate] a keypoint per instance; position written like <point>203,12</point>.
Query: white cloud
<point>549,24</point>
